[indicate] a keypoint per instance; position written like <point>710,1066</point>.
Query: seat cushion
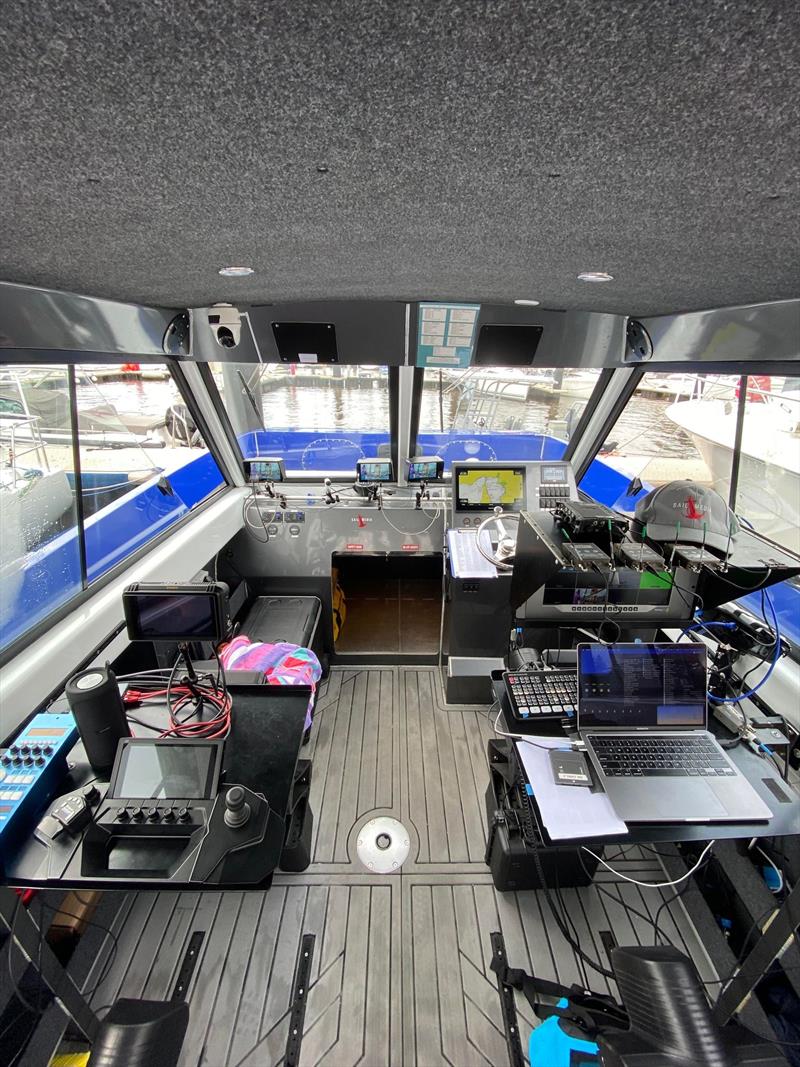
<point>282,618</point>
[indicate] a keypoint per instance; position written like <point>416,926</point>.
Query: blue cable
<point>775,658</point>
<point>705,626</point>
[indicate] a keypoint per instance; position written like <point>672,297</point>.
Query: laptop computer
<point>643,715</point>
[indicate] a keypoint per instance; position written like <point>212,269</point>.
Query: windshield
<point>491,413</point>
<point>315,418</point>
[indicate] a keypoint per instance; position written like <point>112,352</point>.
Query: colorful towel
<point>282,664</point>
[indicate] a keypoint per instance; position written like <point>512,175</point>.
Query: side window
<point>768,489</point>
<point>143,462</point>
<point>674,426</point>
<point>141,466</point>
<point>40,557</point>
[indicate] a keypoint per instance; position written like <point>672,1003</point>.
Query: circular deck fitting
<point>383,845</point>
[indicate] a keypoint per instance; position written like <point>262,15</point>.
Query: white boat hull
<point>768,493</point>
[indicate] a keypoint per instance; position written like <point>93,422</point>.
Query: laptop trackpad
<point>669,800</point>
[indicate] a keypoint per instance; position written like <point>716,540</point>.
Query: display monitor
<point>369,471</point>
<point>642,686</point>
<point>425,469</point>
<point>157,611</point>
<point>152,769</point>
<point>554,474</point>
<point>265,470</point>
<point>482,488</point>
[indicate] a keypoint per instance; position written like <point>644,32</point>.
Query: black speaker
<point>96,703</point>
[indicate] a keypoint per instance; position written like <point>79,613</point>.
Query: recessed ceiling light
<point>528,303</point>
<point>595,276</point>
<point>235,272</point>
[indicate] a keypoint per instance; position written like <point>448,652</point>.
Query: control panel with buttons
<point>550,495</point>
<point>31,771</point>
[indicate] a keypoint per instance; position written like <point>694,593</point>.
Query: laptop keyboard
<point>660,757</point>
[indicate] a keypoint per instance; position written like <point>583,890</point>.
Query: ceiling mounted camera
<point>225,321</point>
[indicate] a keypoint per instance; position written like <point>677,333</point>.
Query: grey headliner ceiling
<point>481,150</point>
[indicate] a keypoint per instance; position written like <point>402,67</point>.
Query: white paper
<point>307,357</point>
<point>567,811</point>
<point>465,559</point>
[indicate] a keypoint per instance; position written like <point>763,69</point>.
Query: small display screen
<point>266,470</point>
<point>642,685</point>
<point>379,470</point>
<point>175,615</point>
<point>51,731</point>
<point>553,475</point>
<point>622,586</point>
<point>165,771</point>
<point>424,470</point>
<point>479,489</point>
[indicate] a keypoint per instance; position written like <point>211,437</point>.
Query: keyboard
<point>659,757</point>
<point>542,694</point>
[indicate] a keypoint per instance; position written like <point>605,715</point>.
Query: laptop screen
<point>642,686</point>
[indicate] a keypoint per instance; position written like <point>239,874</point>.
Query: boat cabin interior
<point>399,534</point>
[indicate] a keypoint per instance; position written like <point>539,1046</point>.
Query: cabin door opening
<point>387,602</point>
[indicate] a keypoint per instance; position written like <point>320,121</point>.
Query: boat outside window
<point>315,418</point>
<point>684,426</point>
<point>142,466</point>
<point>496,413</point>
<point>662,435</point>
<point>768,489</point>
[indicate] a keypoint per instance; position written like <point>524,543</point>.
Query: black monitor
<point>173,769</point>
<point>642,685</point>
<point>162,612</point>
<point>265,470</point>
<point>370,471</point>
<point>425,469</point>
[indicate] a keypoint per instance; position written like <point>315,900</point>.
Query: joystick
<point>237,810</point>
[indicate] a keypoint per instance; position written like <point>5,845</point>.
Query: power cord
<point>556,742</point>
<point>652,885</point>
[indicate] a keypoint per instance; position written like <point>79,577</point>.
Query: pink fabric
<point>282,663</point>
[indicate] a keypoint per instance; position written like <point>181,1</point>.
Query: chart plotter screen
<point>483,489</point>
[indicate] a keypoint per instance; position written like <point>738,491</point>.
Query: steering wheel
<point>503,556</point>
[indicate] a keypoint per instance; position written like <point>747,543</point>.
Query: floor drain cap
<point>383,845</point>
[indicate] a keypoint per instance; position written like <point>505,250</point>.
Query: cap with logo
<point>683,511</point>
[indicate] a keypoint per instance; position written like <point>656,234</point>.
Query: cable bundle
<point>185,695</point>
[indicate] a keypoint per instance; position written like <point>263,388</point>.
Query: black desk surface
<point>261,753</point>
<point>779,797</point>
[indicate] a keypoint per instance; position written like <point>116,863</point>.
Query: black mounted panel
<point>507,345</point>
<point>306,342</point>
<point>366,331</point>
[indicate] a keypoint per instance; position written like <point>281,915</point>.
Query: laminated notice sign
<point>446,334</point>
